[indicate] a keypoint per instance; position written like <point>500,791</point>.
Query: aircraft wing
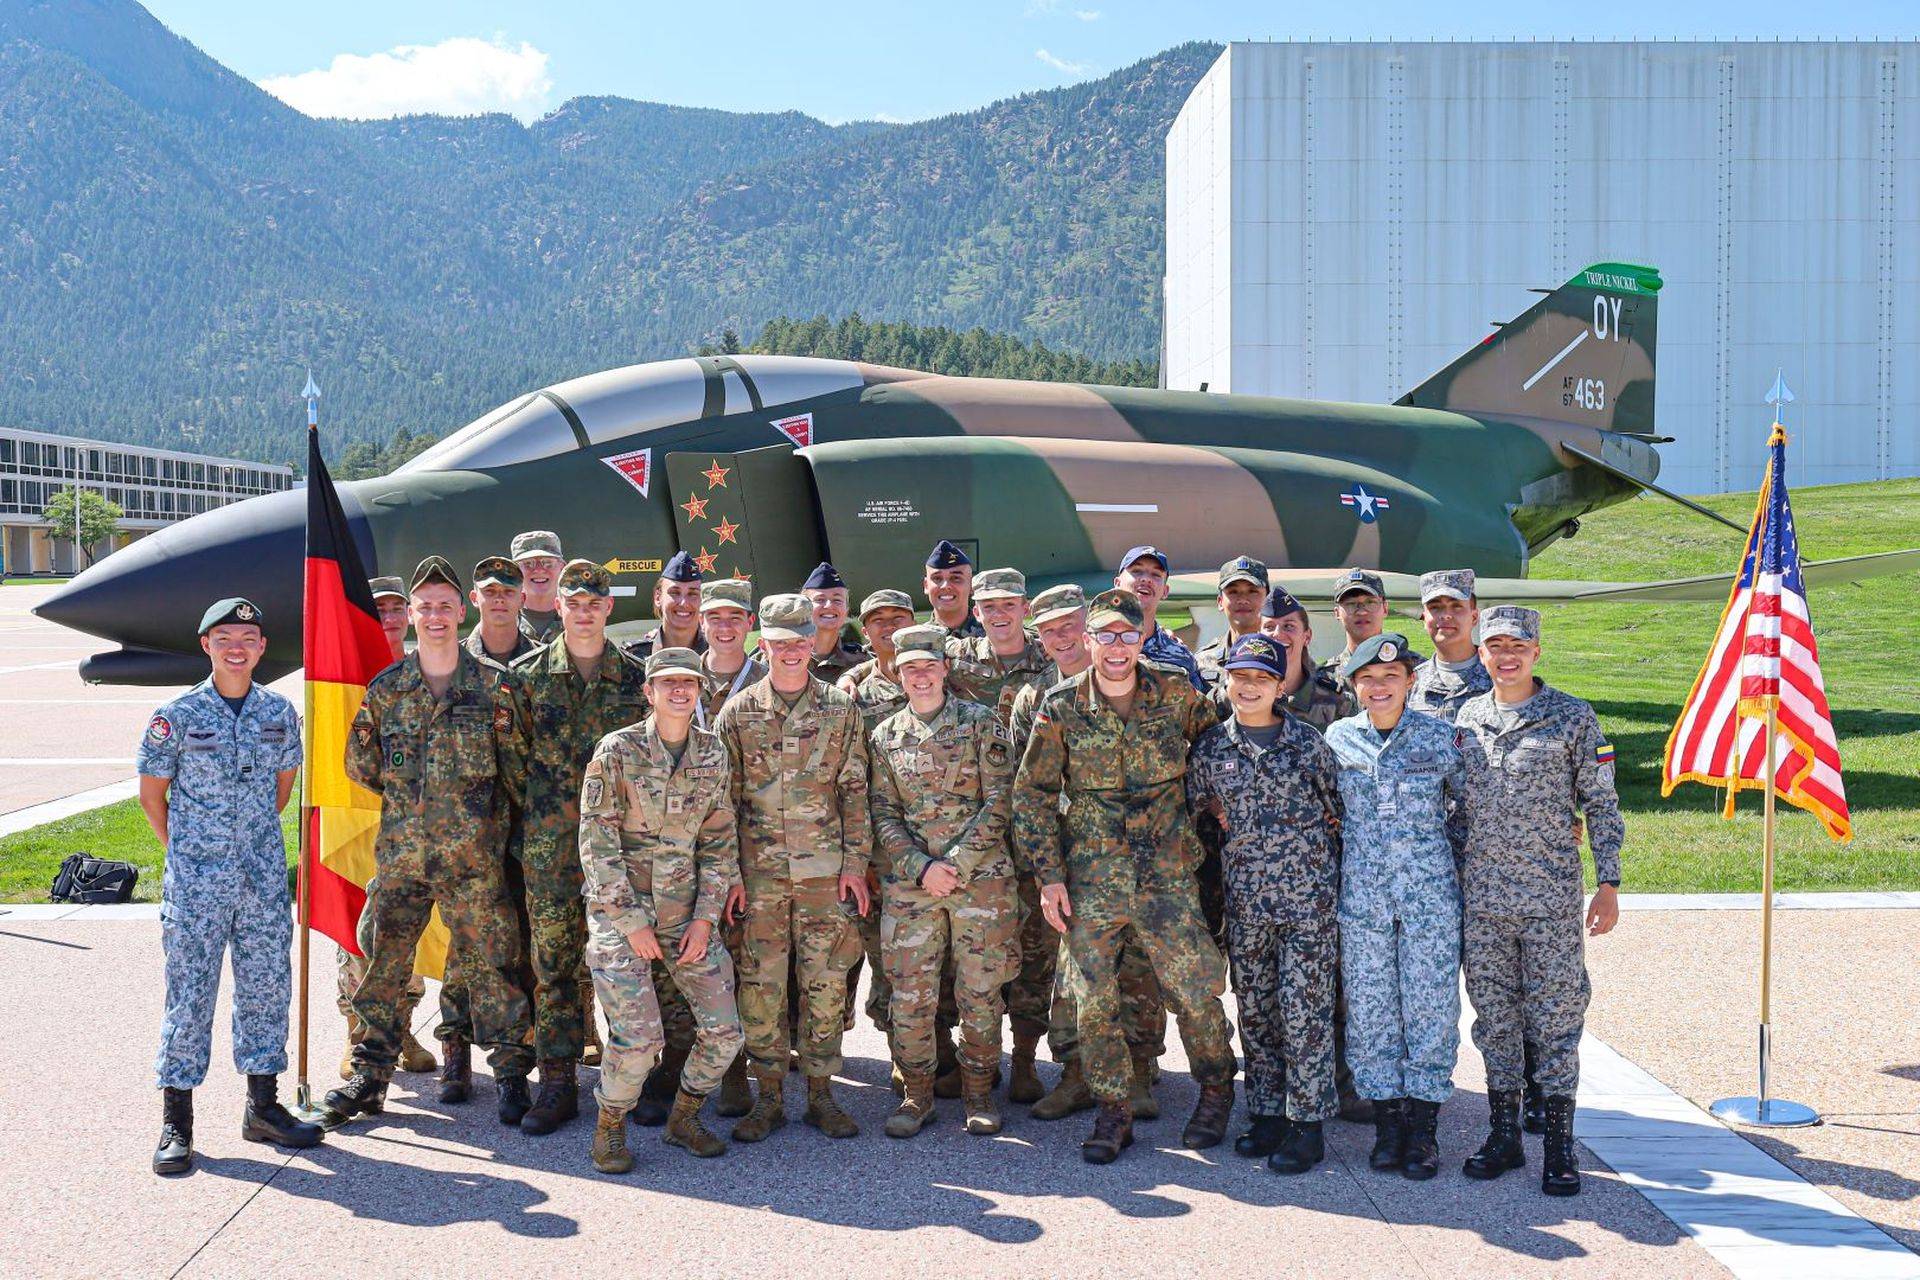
<point>1315,586</point>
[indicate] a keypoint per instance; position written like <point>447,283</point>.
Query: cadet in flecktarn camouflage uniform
<point>436,740</point>
<point>1539,764</point>
<point>566,697</point>
<point>1402,781</point>
<point>660,856</point>
<point>1443,683</point>
<point>541,561</point>
<point>498,589</point>
<point>1118,860</point>
<point>942,778</point>
<point>1268,780</point>
<point>216,766</point>
<point>800,793</point>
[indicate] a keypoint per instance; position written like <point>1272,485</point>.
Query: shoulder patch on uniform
<point>502,719</point>
<point>159,729</point>
<point>1603,754</point>
<point>593,792</point>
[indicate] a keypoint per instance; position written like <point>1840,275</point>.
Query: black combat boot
<point>1502,1150</point>
<point>1422,1160</point>
<point>456,1069</point>
<point>557,1102</point>
<point>1389,1136</point>
<point>364,1094</point>
<point>1303,1148</point>
<point>175,1152</point>
<point>267,1121</point>
<point>1560,1172</point>
<point>1533,1114</point>
<point>515,1099</point>
<point>1263,1136</point>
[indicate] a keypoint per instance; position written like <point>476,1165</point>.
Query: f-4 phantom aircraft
<point>761,466</point>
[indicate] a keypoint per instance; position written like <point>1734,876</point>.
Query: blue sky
<point>904,60</point>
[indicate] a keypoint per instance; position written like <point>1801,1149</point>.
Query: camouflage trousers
<point>1401,976</point>
<point>1283,982</point>
<point>473,901</point>
<point>805,920</point>
<point>879,986</point>
<point>971,933</point>
<point>351,970</point>
<point>557,926</point>
<point>1030,991</point>
<point>456,1016</point>
<point>1527,979</point>
<point>1143,1013</point>
<point>625,984</point>
<point>254,928</point>
<point>1165,922</point>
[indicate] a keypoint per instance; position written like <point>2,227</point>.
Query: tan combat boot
<point>946,1071</point>
<point>976,1093</point>
<point>416,1057</point>
<point>356,1032</point>
<point>736,1098</point>
<point>685,1130</point>
<point>916,1105</point>
<point>590,1046</point>
<point>823,1111</point>
<point>610,1154</point>
<point>1069,1096</point>
<point>1024,1086</point>
<point>1146,1069</point>
<point>769,1107</point>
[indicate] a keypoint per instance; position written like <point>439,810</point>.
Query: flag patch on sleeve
<point>1603,754</point>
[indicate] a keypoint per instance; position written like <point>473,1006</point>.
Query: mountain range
<point>177,246</point>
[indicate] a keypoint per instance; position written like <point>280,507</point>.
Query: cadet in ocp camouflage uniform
<point>677,596</point>
<point>1443,683</point>
<point>1269,782</point>
<point>1403,783</point>
<point>877,694</point>
<point>566,696</point>
<point>1539,764</point>
<point>948,584</point>
<point>436,740</point>
<point>991,669</point>
<point>827,592</point>
<point>942,774</point>
<point>1312,695</point>
<point>800,793</point>
<point>1118,859</point>
<point>660,856</point>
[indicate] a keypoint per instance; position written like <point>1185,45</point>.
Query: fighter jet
<point>761,466</point>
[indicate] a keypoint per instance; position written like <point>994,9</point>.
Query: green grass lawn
<point>118,831</point>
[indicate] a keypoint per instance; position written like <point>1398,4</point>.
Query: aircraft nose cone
<point>152,594</point>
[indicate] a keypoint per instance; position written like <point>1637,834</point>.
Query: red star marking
<point>726,529</point>
<point>716,475</point>
<point>705,560</point>
<point>738,572</point>
<point>696,508</point>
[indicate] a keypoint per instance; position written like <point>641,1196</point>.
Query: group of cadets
<point>1042,811</point>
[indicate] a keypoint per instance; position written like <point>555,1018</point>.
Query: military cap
<point>885,598</point>
<point>726,593</point>
<point>1510,620</point>
<point>786,617</point>
<point>234,609</point>
<point>923,643</point>
<point>1114,606</point>
<point>584,576</point>
<point>673,662</point>
<point>681,568</point>
<point>1057,602</point>
<point>1000,584</point>
<point>1258,653</point>
<point>387,585</point>
<point>823,578</point>
<point>1280,603</point>
<point>1457,583</point>
<point>1358,580</point>
<point>1388,646</point>
<point>1143,553</point>
<point>497,571</point>
<point>536,542</point>
<point>946,556</point>
<point>434,569</point>
<point>1243,569</point>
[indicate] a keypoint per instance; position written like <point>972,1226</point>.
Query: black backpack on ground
<point>93,880</point>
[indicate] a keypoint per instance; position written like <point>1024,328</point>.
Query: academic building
<point>155,487</point>
<point>1345,218</point>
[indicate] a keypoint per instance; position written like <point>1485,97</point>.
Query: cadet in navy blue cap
<point>216,766</point>
<point>1143,571</point>
<point>676,603</point>
<point>833,654</point>
<point>948,586</point>
<point>1314,695</point>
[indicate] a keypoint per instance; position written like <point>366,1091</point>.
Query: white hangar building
<point>1345,218</point>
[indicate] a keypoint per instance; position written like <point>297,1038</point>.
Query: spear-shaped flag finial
<point>311,393</point>
<point>1779,395</point>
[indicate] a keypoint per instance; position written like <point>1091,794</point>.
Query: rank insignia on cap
<point>159,729</point>
<point>1603,754</point>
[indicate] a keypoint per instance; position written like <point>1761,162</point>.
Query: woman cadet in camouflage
<point>942,778</point>
<point>659,854</point>
<point>1268,779</point>
<point>1402,782</point>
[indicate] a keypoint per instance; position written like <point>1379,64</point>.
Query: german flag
<point>344,649</point>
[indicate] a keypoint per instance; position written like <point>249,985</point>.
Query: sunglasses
<point>1107,638</point>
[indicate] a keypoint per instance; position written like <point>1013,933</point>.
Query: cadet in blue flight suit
<point>1403,786</point>
<point>216,767</point>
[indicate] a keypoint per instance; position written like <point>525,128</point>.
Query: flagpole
<point>303,1092</point>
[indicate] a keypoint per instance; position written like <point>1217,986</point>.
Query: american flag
<point>1764,656</point>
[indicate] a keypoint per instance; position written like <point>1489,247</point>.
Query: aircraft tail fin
<point>1581,354</point>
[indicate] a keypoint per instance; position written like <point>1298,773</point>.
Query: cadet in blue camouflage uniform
<point>1443,683</point>
<point>216,766</point>
<point>1242,589</point>
<point>1539,764</point>
<point>1402,781</point>
<point>1269,783</point>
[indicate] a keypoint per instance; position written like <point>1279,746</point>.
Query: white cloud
<point>1062,64</point>
<point>1087,15</point>
<point>460,76</point>
<point>1054,8</point>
